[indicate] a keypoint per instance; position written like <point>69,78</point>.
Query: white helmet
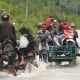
<point>40,24</point>
<point>72,24</point>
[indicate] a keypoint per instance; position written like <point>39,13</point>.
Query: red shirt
<point>68,34</point>
<point>68,31</point>
<point>48,21</point>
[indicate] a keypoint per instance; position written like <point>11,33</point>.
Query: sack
<point>40,46</point>
<point>23,42</point>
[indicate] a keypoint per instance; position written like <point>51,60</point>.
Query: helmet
<point>5,16</point>
<point>40,24</point>
<point>73,24</point>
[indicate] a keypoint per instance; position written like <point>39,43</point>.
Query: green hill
<point>30,12</point>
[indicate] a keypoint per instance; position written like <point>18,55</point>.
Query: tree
<point>78,9</point>
<point>57,2</point>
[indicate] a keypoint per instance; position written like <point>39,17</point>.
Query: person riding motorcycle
<point>7,30</point>
<point>24,51</point>
<point>7,34</point>
<point>44,34</point>
<point>43,37</point>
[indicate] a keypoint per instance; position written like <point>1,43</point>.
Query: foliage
<point>29,12</point>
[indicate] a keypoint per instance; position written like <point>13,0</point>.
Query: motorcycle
<point>43,50</point>
<point>8,56</point>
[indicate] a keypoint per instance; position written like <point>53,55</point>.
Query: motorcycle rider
<point>23,51</point>
<point>7,33</point>
<point>43,37</point>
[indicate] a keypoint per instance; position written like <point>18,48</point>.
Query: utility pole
<point>26,9</point>
<point>10,4</point>
<point>48,6</point>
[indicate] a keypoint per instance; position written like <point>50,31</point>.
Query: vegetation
<point>29,12</point>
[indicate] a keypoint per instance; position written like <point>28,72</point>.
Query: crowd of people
<point>59,30</point>
<point>51,31</point>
